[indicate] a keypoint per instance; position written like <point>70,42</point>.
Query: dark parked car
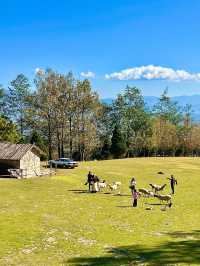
<point>63,162</point>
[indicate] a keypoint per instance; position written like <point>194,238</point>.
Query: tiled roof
<point>9,151</point>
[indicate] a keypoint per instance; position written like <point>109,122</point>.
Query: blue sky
<point>104,37</point>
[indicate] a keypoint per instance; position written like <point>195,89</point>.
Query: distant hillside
<point>194,100</point>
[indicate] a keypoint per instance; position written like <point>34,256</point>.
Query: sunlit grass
<point>48,221</point>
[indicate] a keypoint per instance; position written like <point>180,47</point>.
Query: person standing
<point>173,182</point>
<point>133,183</point>
<point>95,184</point>
<point>90,178</point>
<point>135,196</point>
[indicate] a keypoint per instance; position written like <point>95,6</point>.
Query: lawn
<point>55,221</point>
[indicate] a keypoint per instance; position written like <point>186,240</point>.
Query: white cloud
<point>39,71</point>
<point>151,72</point>
<point>88,74</point>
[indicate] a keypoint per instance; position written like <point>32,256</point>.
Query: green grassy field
<point>54,221</point>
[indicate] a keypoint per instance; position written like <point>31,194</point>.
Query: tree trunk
<point>62,141</point>
<point>58,142</point>
<point>49,139</point>
<point>70,136</point>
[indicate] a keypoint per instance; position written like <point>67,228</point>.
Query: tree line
<point>66,118</point>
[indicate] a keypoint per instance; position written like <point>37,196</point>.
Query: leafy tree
<point>167,110</point>
<point>65,116</point>
<point>37,139</point>
<point>195,139</point>
<point>118,144</point>
<point>168,118</point>
<point>17,100</point>
<point>67,110</point>
<point>44,101</point>
<point>87,113</point>
<point>8,131</point>
<point>129,112</point>
<point>2,97</point>
<point>165,138</point>
<point>185,130</point>
<point>105,122</point>
<point>105,151</point>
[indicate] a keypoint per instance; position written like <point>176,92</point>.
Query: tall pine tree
<point>17,101</point>
<point>118,146</point>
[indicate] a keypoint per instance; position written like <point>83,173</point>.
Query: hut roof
<point>10,151</point>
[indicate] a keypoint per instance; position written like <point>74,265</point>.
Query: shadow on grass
<point>100,192</point>
<point>122,195</point>
<point>169,253</point>
<point>6,177</point>
<point>79,191</point>
<point>195,234</point>
<point>129,206</point>
<point>155,204</point>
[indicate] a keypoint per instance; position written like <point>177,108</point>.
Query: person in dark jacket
<point>173,182</point>
<point>90,180</point>
<point>132,183</point>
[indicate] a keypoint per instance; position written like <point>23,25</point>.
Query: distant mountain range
<point>193,100</point>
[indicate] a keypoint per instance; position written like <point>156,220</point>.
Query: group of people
<point>93,185</point>
<point>92,182</point>
<point>135,193</point>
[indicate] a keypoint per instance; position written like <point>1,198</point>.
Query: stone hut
<point>19,160</point>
